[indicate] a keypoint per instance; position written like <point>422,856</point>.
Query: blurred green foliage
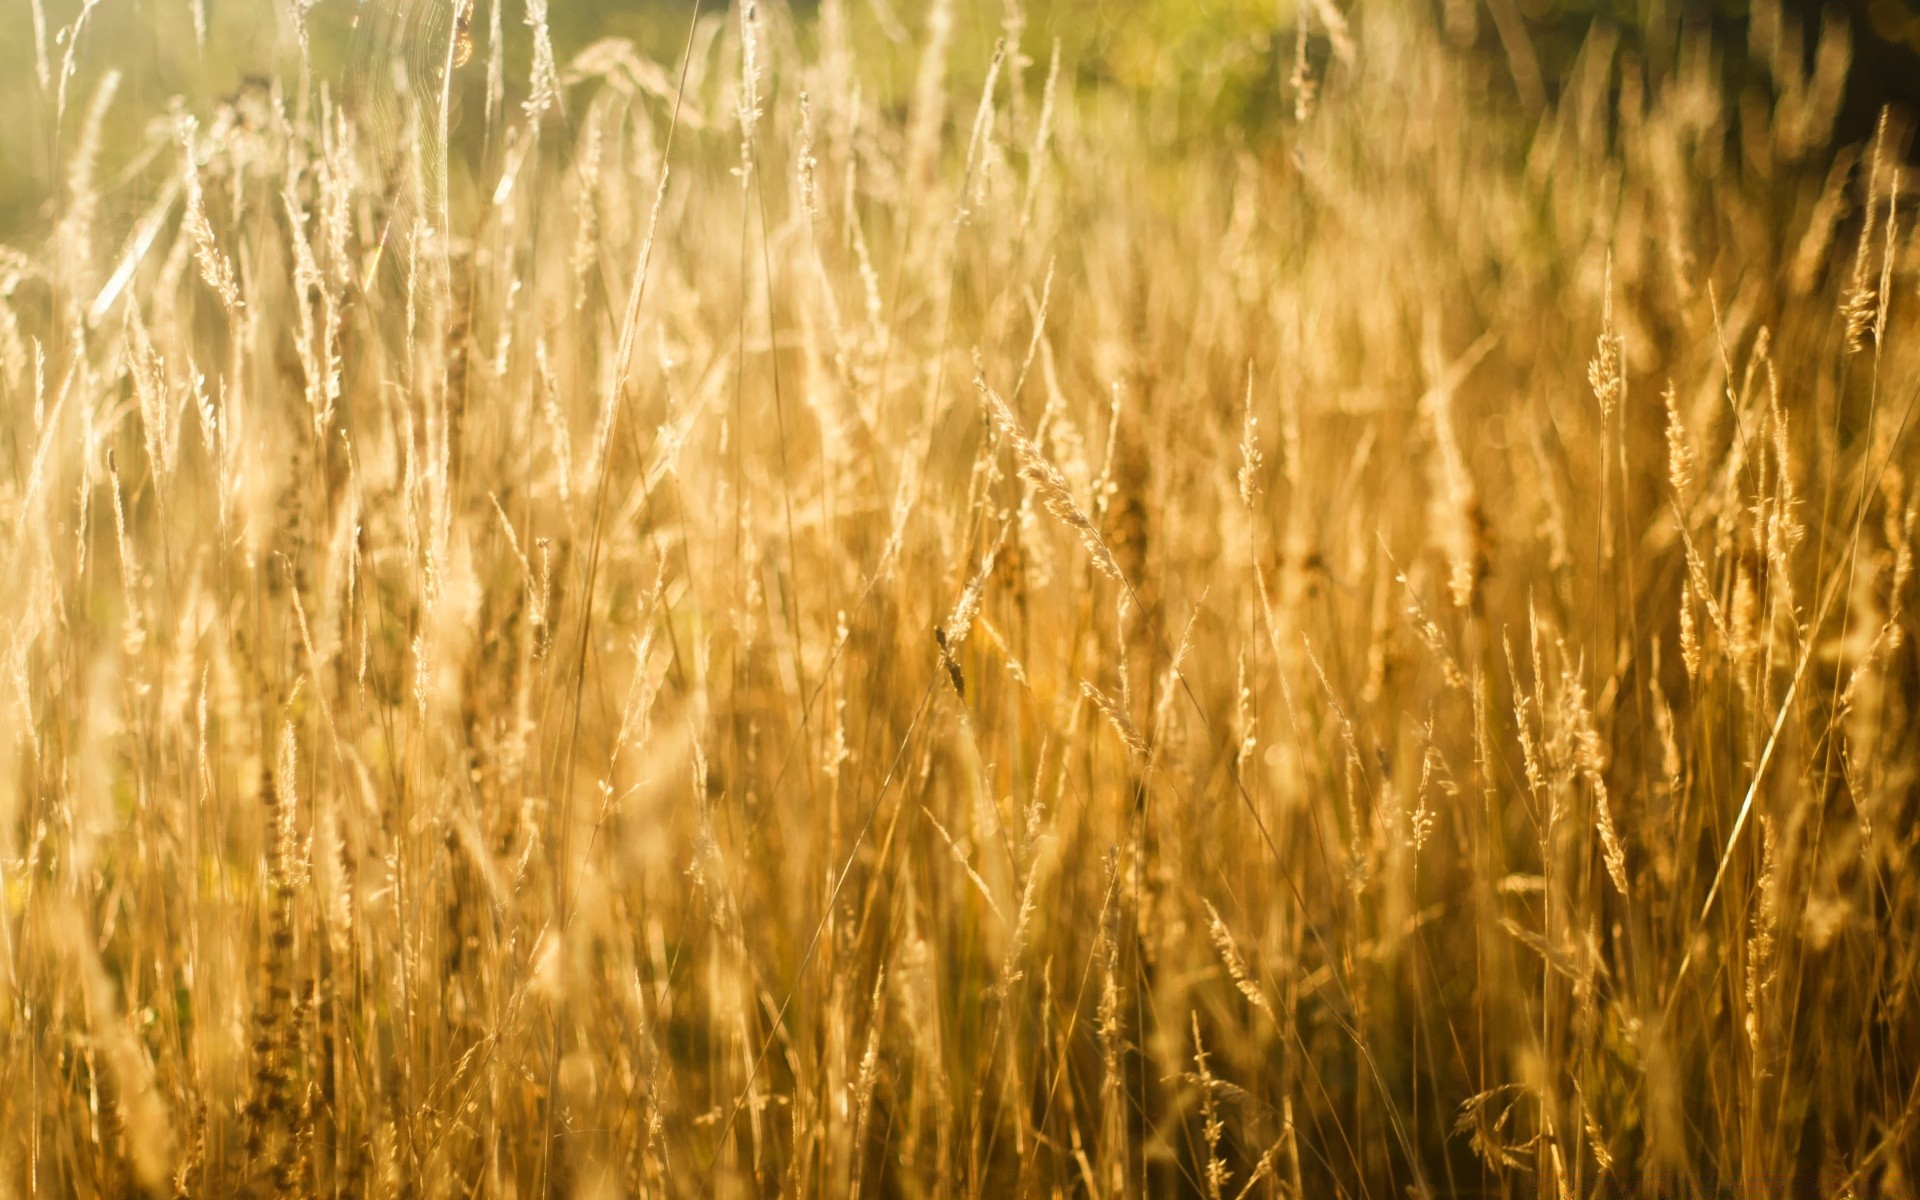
<point>1212,66</point>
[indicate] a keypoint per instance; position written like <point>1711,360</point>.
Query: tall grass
<point>766,625</point>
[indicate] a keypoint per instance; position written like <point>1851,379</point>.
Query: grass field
<point>902,600</point>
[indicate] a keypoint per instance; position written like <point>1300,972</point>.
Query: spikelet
<point>1111,1029</point>
<point>1430,632</point>
<point>1010,972</point>
<point>959,622</point>
<point>1888,254</point>
<point>158,421</point>
<point>1784,532</point>
<point>1589,757</point>
<point>1605,370</point>
<point>543,82</point>
<point>1250,459</point>
<point>868,1076</point>
<point>1301,81</point>
<point>1672,783</point>
<point>540,599</point>
<point>806,166</point>
<point>291,867</point>
<point>1611,850</point>
<point>1862,306</point>
<point>268,1117</point>
<point>1048,483</point>
<point>981,153</point>
<point>1596,1137</point>
<point>1766,923</point>
<point>1420,822</point>
<point>586,189</point>
<point>1689,633</point>
<point>1236,966</point>
<point>215,270</point>
<point>1679,450</point>
<point>338,178</point>
<point>193,1162</point>
<point>1216,1173</point>
<point>1116,716</point>
<point>1899,532</point>
<point>748,102</point>
<point>1244,718</point>
<point>560,440</point>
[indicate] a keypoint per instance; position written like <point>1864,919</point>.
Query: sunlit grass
<point>811,613</point>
